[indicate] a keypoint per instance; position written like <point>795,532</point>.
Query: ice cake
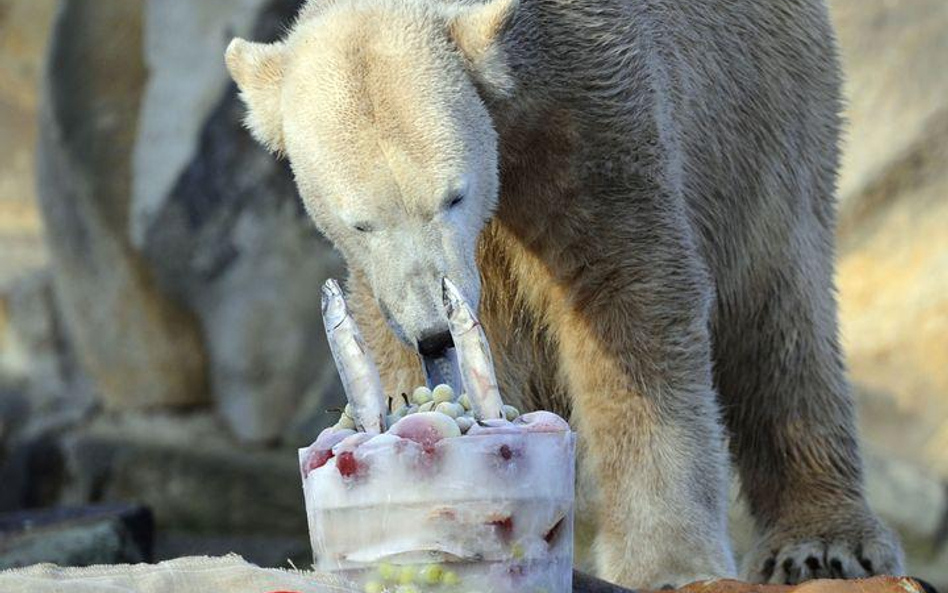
<point>438,491</point>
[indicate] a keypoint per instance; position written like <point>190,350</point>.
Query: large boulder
<point>141,348</point>
<point>184,41</point>
<point>187,470</point>
<point>184,266</point>
<point>232,240</point>
<point>24,29</point>
<point>82,536</point>
<point>35,352</point>
<point>893,273</point>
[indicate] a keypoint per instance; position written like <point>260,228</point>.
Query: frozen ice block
<point>411,511</point>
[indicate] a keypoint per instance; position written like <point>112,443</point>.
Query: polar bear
<point>640,197</point>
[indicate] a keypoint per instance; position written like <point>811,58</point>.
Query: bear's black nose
<point>435,343</point>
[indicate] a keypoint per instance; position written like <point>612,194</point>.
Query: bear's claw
<point>854,546</point>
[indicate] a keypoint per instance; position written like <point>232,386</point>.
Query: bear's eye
<point>454,200</point>
<point>362,227</point>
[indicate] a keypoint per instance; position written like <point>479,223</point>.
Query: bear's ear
<point>257,68</point>
<point>478,31</point>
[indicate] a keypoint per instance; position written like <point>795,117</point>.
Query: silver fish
<point>357,370</point>
<point>473,353</point>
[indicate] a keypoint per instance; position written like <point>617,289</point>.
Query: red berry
<point>504,527</point>
<point>347,464</point>
<point>316,460</point>
<point>505,452</point>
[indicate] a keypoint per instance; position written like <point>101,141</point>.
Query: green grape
<point>450,578</point>
<point>406,575</point>
<point>374,587</point>
<point>388,572</point>
<point>422,395</point>
<point>449,409</point>
<point>511,413</point>
<point>464,423</point>
<point>426,407</point>
<point>346,422</point>
<point>465,401</point>
<point>430,574</point>
<point>442,393</point>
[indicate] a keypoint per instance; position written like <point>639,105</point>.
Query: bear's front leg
<point>634,351</point>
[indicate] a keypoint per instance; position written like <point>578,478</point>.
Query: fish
<point>473,355</point>
<point>357,370</point>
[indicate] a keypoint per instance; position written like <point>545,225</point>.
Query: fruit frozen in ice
<point>388,572</point>
<point>426,428</point>
<point>430,574</point>
<point>451,409</point>
<point>542,422</point>
<point>321,450</point>
<point>421,395</point>
<point>450,578</point>
<point>346,422</point>
<point>465,401</point>
<point>494,426</point>
<point>348,465</point>
<point>442,393</point>
<point>406,575</point>
<point>328,438</point>
<point>351,442</point>
<point>464,423</point>
<point>511,413</point>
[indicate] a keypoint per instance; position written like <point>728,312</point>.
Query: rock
<point>42,393</point>
<point>188,471</point>
<point>24,29</point>
<point>233,242</point>
<point>181,36</point>
<point>76,537</point>
<point>893,276</point>
<point>32,472</point>
<point>895,85</point>
<point>139,347</point>
<point>37,352</point>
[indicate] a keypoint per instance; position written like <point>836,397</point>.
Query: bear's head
<point>379,105</point>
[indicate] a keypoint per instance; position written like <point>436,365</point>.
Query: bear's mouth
<point>442,368</point>
<point>435,344</point>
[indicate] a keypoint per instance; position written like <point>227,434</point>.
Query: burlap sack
<point>198,574</point>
